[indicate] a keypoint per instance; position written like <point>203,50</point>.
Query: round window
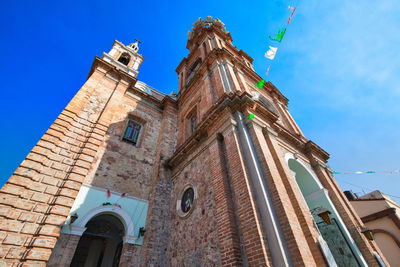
<point>187,200</point>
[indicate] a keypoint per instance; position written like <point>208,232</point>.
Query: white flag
<point>270,54</point>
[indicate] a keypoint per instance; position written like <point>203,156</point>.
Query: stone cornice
<point>245,55</point>
<point>232,101</point>
<point>285,134</point>
<point>316,151</point>
<point>209,61</point>
<point>389,212</point>
<point>167,100</point>
<point>111,69</point>
<point>220,53</point>
<point>181,64</point>
<point>97,62</point>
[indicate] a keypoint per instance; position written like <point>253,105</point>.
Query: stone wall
<point>83,145</point>
<point>194,239</point>
<point>36,199</point>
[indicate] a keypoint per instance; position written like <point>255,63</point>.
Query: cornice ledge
<point>186,148</point>
<point>181,64</point>
<point>378,215</point>
<point>288,136</point>
<point>232,101</point>
<point>167,100</point>
<point>316,151</point>
<point>272,117</point>
<point>133,90</point>
<point>113,69</point>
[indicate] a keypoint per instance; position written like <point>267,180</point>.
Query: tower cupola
<point>125,58</point>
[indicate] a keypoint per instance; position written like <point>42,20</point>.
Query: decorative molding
<point>79,228</point>
<point>382,231</point>
<point>389,212</point>
<point>308,169</point>
<point>179,200</point>
<point>114,192</point>
<point>314,149</point>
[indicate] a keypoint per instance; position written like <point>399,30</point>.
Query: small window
<point>124,59</point>
<point>192,70</point>
<point>193,123</point>
<point>132,132</point>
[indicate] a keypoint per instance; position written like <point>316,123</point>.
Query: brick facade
<point>227,224</point>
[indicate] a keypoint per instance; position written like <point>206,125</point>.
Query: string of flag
<point>271,53</point>
<point>273,49</point>
<point>368,172</point>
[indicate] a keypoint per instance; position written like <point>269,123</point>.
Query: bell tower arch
<point>125,57</point>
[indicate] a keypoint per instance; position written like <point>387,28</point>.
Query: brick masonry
<point>224,228</point>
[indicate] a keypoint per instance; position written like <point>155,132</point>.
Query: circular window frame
<point>179,201</point>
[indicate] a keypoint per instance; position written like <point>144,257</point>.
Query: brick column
<point>130,256</point>
<point>283,196</point>
<point>228,232</point>
<point>64,251</point>
<point>249,221</point>
<point>284,176</point>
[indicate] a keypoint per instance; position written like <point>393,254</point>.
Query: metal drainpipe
<point>279,253</point>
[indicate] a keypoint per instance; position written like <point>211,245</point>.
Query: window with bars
<point>132,132</point>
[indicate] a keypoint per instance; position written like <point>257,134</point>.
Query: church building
<point>218,174</point>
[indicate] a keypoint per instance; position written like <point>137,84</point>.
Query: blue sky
<point>338,64</point>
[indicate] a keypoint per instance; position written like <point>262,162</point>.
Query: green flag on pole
<point>336,172</point>
<point>279,36</point>
<point>251,116</point>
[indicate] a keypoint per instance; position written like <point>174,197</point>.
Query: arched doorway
<point>334,232</point>
<point>101,243</point>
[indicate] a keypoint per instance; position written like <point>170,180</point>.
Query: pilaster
<point>295,220</point>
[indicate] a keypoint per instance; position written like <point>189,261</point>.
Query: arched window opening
<point>333,231</point>
<point>193,69</point>
<point>191,121</point>
<point>101,243</point>
<point>124,59</point>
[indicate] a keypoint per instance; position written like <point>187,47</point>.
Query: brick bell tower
<point>250,192</point>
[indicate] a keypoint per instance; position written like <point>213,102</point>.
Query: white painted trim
<point>327,252</point>
<point>76,230</point>
<point>318,193</point>
<point>118,212</point>
<point>129,239</point>
<point>289,155</point>
<point>115,193</point>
